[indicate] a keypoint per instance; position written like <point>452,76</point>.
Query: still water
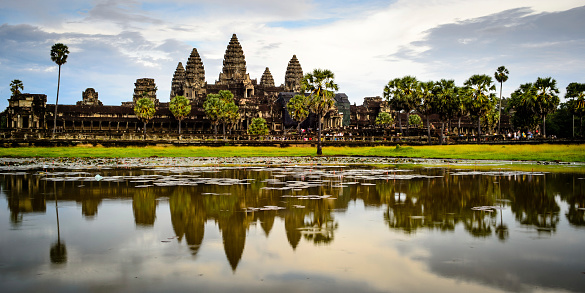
<point>291,229</point>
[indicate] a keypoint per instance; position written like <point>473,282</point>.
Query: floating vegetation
<point>488,209</point>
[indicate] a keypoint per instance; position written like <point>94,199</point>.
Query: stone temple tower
<point>194,76</point>
<point>267,79</point>
<point>234,63</point>
<point>293,76</point>
<point>178,83</point>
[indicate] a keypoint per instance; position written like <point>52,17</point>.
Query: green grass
<point>544,152</point>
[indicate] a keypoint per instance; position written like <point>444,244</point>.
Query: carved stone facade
<point>293,76</point>
<point>26,111</point>
<point>253,99</point>
<point>145,88</point>
<point>89,98</point>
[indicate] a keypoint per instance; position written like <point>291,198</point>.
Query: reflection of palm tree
<point>58,250</point>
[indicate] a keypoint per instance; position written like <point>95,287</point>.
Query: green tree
<point>258,127</point>
<point>298,108</point>
<point>230,115</point>
<point>521,105</point>
<point>180,107</point>
<point>415,120</point>
<point>144,110</point>
<point>501,76</point>
<point>401,94</point>
<point>446,102</point>
<point>547,99</point>
<point>321,86</point>
<point>213,106</point>
<point>424,102</point>
<point>478,97</point>
<point>384,119</point>
<point>59,53</point>
<point>15,87</point>
<point>576,100</point>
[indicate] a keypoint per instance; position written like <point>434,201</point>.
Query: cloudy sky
<point>364,42</point>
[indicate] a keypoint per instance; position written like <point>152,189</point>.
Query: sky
<point>365,43</point>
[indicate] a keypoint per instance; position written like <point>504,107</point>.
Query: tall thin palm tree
<point>501,76</point>
<point>59,53</point>
<point>547,98</point>
<point>320,85</point>
<point>401,93</point>
<point>424,103</point>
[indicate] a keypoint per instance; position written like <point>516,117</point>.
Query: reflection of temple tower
<point>233,233</point>
<point>144,207</point>
<point>293,76</point>
<point>267,221</point>
<point>293,222</point>
<point>188,219</point>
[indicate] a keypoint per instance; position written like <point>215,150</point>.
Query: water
<point>291,229</point>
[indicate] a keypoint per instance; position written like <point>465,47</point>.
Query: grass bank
<point>544,152</point>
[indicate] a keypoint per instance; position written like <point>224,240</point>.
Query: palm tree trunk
<point>500,109</point>
<point>56,102</point>
<point>179,127</point>
<point>544,126</point>
<point>223,124</point>
<point>299,129</point>
<point>399,120</point>
<point>442,131</point>
<point>145,130</point>
<point>319,150</point>
<point>479,128</point>
<point>428,130</point>
<point>408,123</point>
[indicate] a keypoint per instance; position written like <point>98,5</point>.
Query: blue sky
<point>365,43</point>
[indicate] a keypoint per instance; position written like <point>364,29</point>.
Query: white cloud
<point>364,45</point>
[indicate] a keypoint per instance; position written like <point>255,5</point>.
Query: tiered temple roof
<point>195,72</point>
<point>234,62</point>
<point>293,76</point>
<point>179,80</point>
<point>267,79</point>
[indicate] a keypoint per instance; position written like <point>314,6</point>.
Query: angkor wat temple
<point>89,117</point>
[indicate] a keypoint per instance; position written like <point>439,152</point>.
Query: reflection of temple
<point>441,204</point>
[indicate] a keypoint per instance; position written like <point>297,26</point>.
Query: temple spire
<point>234,62</point>
<point>267,79</point>
<point>293,76</point>
<point>179,80</point>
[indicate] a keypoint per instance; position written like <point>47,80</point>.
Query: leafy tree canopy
<point>258,127</point>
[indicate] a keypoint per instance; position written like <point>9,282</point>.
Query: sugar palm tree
<point>501,76</point>
<point>576,94</point>
<point>320,86</point>
<point>547,98</point>
<point>298,108</point>
<point>15,87</point>
<point>424,102</point>
<point>144,110</point>
<point>401,93</point>
<point>59,53</point>
<point>478,98</point>
<point>180,107</point>
<point>446,102</point>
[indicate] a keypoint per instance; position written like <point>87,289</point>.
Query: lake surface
<point>291,229</point>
